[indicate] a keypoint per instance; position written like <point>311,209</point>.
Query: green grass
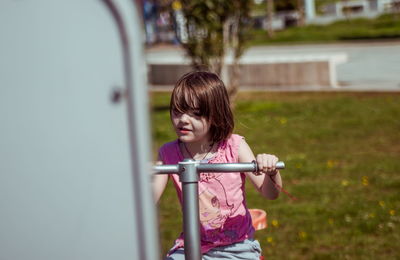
<point>342,155</point>
<point>384,27</point>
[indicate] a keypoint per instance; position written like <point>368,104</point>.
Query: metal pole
<point>140,137</point>
<point>166,169</point>
<point>130,33</point>
<point>215,167</point>
<point>191,223</point>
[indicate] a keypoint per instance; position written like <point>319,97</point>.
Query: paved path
<point>370,66</point>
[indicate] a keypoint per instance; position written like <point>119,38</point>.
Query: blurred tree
<point>289,5</point>
<point>270,17</point>
<point>300,10</point>
<point>215,29</point>
<point>285,5</point>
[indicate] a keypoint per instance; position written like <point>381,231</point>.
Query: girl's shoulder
<point>229,149</point>
<point>169,145</point>
<point>169,152</point>
<point>233,141</point>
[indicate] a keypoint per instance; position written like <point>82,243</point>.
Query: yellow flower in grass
<point>275,223</point>
<point>330,164</point>
<point>392,212</point>
<point>345,183</point>
<point>369,215</point>
<point>302,235</point>
<point>365,180</point>
<point>382,203</point>
<point>270,240</point>
<point>283,120</point>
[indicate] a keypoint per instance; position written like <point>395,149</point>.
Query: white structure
<point>332,12</point>
<point>362,7</point>
<point>354,8</point>
<point>309,8</point>
<point>70,186</point>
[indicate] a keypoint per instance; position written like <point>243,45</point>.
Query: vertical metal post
<point>139,124</point>
<point>130,33</point>
<point>191,223</point>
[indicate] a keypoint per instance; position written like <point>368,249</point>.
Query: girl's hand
<point>267,164</point>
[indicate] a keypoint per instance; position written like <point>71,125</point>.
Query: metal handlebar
<point>214,167</point>
<point>188,171</point>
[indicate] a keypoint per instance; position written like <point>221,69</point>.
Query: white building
<point>354,8</point>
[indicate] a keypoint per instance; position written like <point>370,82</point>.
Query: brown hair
<point>205,93</point>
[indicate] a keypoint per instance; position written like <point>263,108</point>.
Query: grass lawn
<point>342,155</point>
<point>384,27</point>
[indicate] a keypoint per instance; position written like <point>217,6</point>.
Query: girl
<point>203,121</point>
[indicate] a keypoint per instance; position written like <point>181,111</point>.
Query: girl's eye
<point>197,113</point>
<point>176,112</point>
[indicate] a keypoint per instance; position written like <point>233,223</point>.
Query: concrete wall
<point>308,73</point>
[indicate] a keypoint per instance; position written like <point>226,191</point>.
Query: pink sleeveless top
<point>224,217</point>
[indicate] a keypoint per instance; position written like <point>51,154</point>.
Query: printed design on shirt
<point>213,203</point>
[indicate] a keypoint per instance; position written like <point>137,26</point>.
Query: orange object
<point>259,218</point>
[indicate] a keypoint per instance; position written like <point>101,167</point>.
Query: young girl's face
<point>190,126</point>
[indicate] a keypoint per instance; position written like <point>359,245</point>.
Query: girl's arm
<point>266,164</point>
<point>159,182</point>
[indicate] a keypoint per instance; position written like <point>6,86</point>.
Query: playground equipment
<point>259,218</point>
<point>74,180</point>
<point>189,171</point>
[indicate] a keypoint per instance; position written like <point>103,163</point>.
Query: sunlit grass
<point>384,27</point>
<point>342,153</point>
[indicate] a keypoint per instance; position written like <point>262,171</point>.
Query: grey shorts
<point>246,250</point>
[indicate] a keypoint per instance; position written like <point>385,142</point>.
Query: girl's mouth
<point>183,130</point>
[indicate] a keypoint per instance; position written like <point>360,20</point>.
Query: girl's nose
<point>184,117</point>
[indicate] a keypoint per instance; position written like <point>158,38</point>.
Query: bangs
<point>186,99</point>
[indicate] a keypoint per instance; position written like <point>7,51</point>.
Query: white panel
<point>65,184</point>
